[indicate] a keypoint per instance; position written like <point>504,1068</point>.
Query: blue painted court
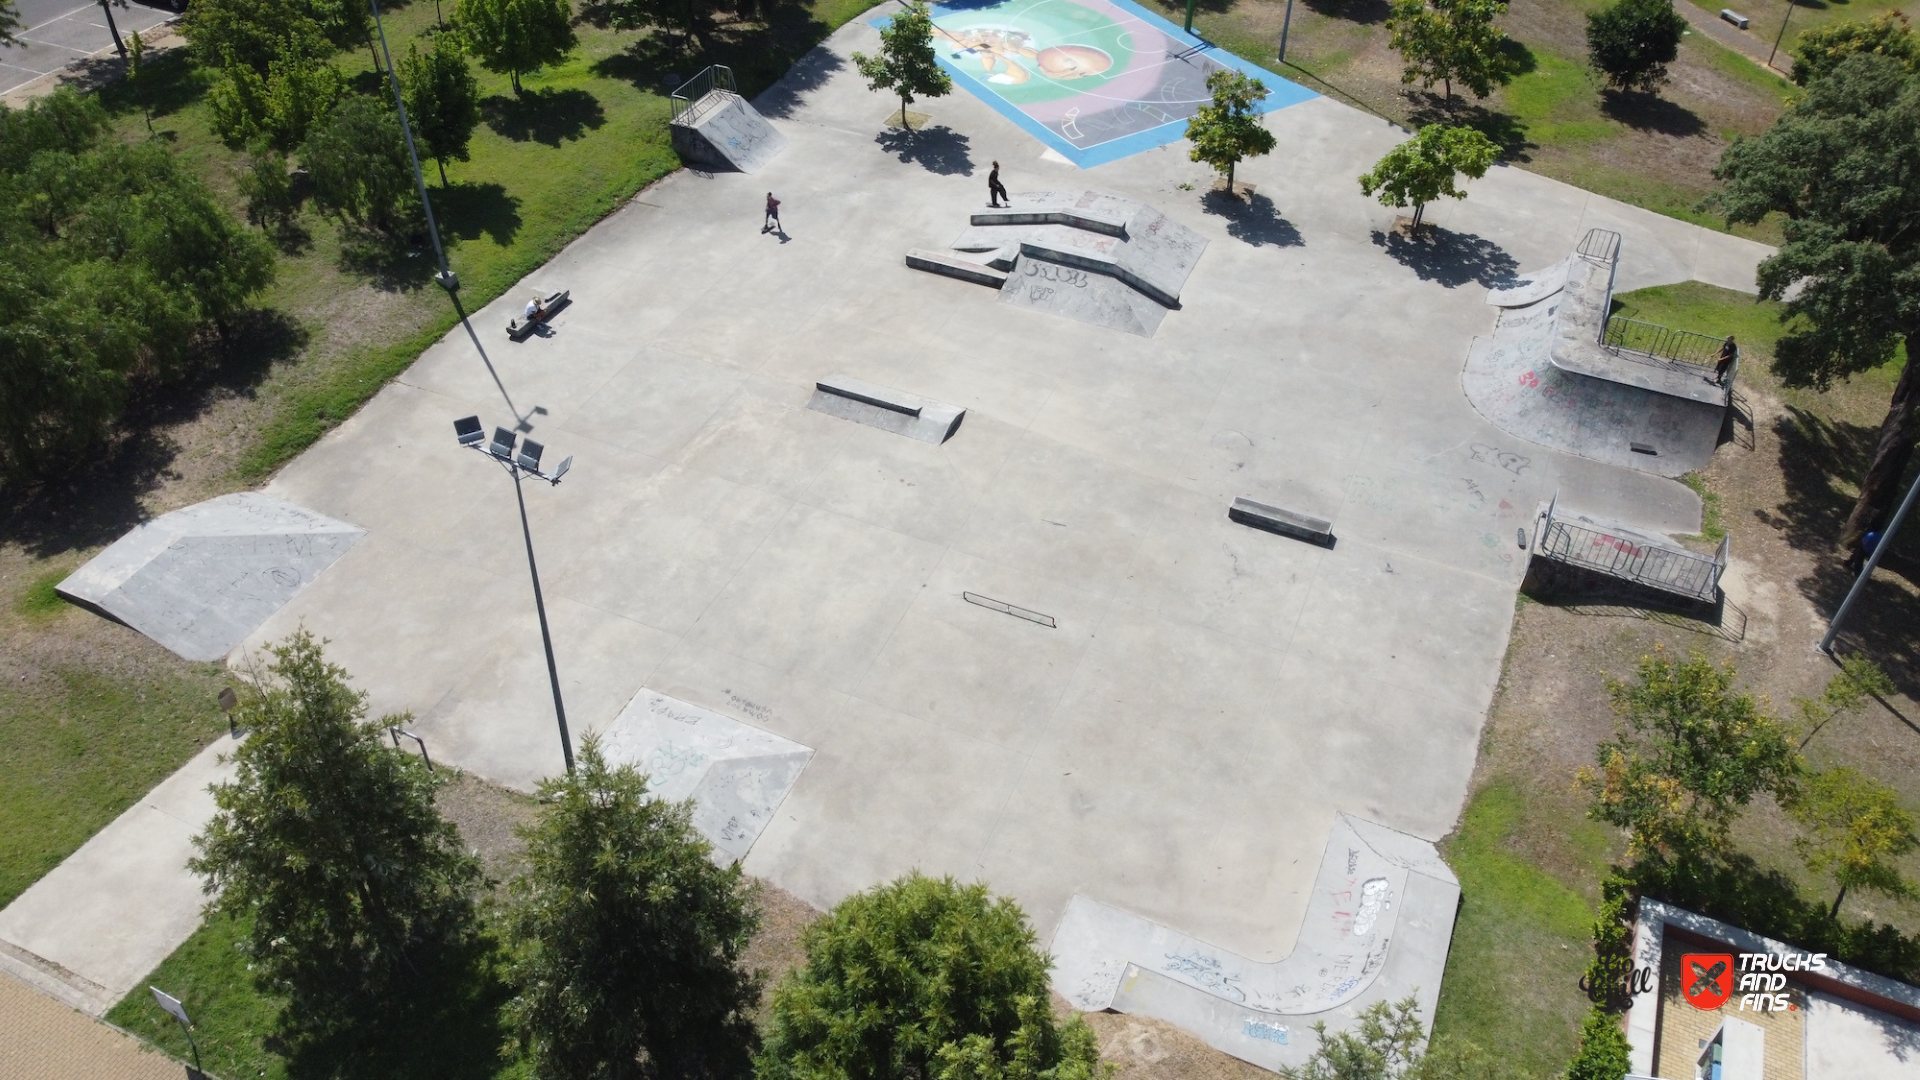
<point>1096,80</point>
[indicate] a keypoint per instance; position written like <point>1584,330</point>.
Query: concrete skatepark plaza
<point>1179,743</point>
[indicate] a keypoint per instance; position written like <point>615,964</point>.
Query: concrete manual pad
<point>889,410</point>
<point>1080,295</point>
<point>200,579</point>
<point>1377,928</point>
<point>735,774</point>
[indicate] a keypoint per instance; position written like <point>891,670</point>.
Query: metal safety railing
<point>1661,342</point>
<point>1588,545</point>
<point>1601,245</point>
<point>686,101</point>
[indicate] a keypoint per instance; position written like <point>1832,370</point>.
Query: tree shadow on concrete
<point>938,149</point>
<point>97,497</point>
<point>1254,220</point>
<point>1449,258</point>
<point>1651,112</point>
<point>548,117</point>
<point>467,210</point>
<point>1820,461</point>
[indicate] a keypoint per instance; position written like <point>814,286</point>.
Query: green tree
<point>117,257</point>
<point>1856,830</point>
<point>1859,679</point>
<point>513,37</point>
<point>1449,41</point>
<point>1229,129</point>
<point>923,977</point>
<point>906,64</point>
<point>1631,42</point>
<point>268,189</point>
<point>1603,1053</point>
<point>689,20</point>
<point>136,80</point>
<point>1691,753</point>
<point>629,936</point>
<point>443,101</point>
<point>359,168</point>
<point>9,21</point>
<point>1423,168</point>
<point>328,844</point>
<point>1822,48</point>
<point>1386,1045</point>
<point>1839,166</point>
<point>253,33</point>
<point>280,108</point>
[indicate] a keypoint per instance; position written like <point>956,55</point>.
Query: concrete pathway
<point>43,1039</point>
<point>89,931</point>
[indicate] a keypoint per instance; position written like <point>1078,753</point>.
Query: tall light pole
<point>1285,25</point>
<point>445,277</point>
<point>520,465</point>
<point>1873,560</point>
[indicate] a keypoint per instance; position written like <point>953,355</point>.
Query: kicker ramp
<point>721,131</point>
<point>1378,928</point>
<point>736,774</point>
<point>1546,374</point>
<point>200,579</point>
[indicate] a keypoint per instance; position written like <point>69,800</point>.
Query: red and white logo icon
<point>1707,979</point>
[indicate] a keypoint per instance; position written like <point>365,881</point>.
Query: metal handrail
<point>1668,569</point>
<point>1622,334</point>
<point>688,96</point>
<point>1599,244</point>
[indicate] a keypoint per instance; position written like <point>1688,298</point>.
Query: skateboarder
<point>996,191</point>
<point>773,214</point>
<point>1728,351</point>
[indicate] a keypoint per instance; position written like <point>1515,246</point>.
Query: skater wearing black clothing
<point>1728,351</point>
<point>996,191</point>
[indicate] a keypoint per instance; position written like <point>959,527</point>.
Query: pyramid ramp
<point>736,774</point>
<point>1377,928</point>
<point>200,579</point>
<point>720,131</point>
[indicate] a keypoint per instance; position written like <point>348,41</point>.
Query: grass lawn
<point>1522,937</point>
<point>79,746</point>
<point>1554,118</point>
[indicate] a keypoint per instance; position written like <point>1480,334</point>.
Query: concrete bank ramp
<point>1549,374</point>
<point>202,578</point>
<point>723,132</point>
<point>736,774</point>
<point>1378,928</point>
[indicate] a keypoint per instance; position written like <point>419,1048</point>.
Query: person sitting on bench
<point>536,309</point>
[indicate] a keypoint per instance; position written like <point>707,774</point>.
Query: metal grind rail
<point>695,97</point>
<point>1591,546</point>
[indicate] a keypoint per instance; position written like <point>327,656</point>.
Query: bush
<point>280,108</point>
<point>1631,42</point>
<point>923,977</point>
<point>1604,1051</point>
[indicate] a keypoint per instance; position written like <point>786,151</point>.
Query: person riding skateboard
<point>996,191</point>
<point>773,214</point>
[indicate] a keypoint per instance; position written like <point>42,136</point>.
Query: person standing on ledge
<point>996,191</point>
<point>773,214</point>
<point>1728,351</point>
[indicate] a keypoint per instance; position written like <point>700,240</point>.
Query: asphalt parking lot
<point>56,33</point>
